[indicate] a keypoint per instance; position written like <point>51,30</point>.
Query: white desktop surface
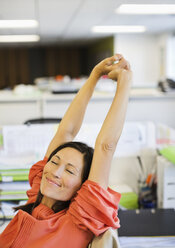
<point>144,105</point>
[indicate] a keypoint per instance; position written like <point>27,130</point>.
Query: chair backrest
<point>42,121</point>
<point>108,239</point>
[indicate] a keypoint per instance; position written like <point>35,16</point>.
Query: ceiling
<point>70,21</point>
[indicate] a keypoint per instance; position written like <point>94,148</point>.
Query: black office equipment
<point>65,91</point>
<point>42,121</point>
<point>147,222</point>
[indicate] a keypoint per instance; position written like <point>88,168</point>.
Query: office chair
<point>42,121</point>
<point>108,239</point>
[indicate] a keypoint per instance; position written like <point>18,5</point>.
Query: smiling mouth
<point>53,182</point>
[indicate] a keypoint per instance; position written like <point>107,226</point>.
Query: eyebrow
<point>68,163</point>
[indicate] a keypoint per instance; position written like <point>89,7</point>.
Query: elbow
<point>107,146</point>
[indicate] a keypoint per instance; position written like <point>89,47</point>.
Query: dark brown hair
<point>60,205</point>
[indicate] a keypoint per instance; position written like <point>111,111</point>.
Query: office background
<point>65,31</point>
<point>67,45</point>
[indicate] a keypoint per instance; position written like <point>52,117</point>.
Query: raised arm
<point>111,129</point>
<point>72,120</point>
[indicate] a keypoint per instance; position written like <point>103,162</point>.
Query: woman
<point>69,200</point>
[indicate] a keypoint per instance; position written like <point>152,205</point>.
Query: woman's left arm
<point>111,129</point>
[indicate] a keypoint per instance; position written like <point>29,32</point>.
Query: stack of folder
<point>13,182</point>
<point>13,186</point>
<point>14,190</point>
<point>20,147</point>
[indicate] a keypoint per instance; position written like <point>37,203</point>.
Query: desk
<point>150,106</point>
<point>147,222</point>
<point>16,109</point>
<point>146,228</point>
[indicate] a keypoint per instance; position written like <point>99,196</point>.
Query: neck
<point>49,202</point>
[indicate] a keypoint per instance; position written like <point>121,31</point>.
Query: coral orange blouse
<point>92,211</point>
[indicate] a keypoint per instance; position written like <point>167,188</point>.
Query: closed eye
<point>69,171</point>
<point>54,162</point>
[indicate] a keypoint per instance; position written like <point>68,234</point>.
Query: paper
<point>7,208</point>
<point>15,186</point>
<point>164,135</point>
<point>165,183</point>
<point>13,197</point>
<point>1,138</point>
<point>135,136</point>
<point>17,160</point>
<point>88,133</point>
<point>28,138</point>
<point>36,138</point>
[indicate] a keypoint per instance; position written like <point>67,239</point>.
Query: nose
<point>58,171</point>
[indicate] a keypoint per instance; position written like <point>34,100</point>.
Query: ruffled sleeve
<point>95,208</point>
<point>35,176</point>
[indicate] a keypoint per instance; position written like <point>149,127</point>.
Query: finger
<point>113,59</point>
<point>118,56</point>
<point>110,61</point>
<point>114,74</point>
<point>123,64</point>
<point>127,67</point>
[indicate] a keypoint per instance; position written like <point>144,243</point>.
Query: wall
<point>143,53</point>
<point>14,67</point>
<point>99,50</point>
<point>23,65</point>
<point>170,68</point>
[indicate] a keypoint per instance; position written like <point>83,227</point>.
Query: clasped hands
<point>114,67</point>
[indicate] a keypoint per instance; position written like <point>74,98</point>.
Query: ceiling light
<point>118,29</point>
<point>18,24</point>
<point>142,9</point>
<point>19,38</point>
